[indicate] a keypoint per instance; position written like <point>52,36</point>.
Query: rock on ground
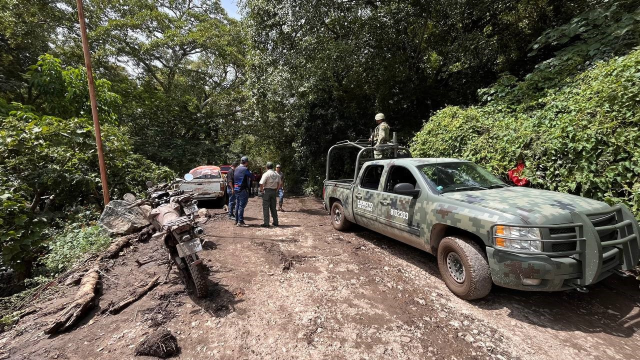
<point>120,219</point>
<point>161,343</point>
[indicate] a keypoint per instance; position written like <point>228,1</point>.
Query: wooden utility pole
<point>94,102</point>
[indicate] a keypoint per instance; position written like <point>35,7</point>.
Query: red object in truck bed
<point>224,169</point>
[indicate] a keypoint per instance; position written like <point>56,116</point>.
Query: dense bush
<point>581,137</point>
<point>573,120</point>
<point>49,172</point>
<point>72,245</point>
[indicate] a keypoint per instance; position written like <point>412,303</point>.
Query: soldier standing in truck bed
<point>380,134</point>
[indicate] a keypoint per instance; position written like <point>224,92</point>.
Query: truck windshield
<point>459,176</point>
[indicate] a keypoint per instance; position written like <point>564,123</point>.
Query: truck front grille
<point>568,246</point>
<point>569,233</point>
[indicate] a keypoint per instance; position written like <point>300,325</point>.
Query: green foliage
<point>27,30</point>
<point>20,229</point>
<point>74,244</point>
<point>185,108</point>
<point>595,35</point>
<point>48,157</point>
<point>64,92</point>
<point>582,138</point>
<point>321,70</point>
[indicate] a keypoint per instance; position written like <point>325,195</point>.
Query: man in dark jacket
<point>241,179</point>
<point>230,191</point>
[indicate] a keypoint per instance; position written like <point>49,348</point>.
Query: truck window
<point>371,177</point>
<point>458,176</point>
<point>397,175</point>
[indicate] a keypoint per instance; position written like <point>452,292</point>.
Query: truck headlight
<point>528,238</point>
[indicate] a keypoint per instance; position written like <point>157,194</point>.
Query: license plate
<point>191,209</point>
<point>189,247</point>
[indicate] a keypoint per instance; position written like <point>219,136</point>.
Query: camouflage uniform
<point>380,136</point>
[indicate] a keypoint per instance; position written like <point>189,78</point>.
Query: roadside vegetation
<point>573,120</point>
<point>181,84</point>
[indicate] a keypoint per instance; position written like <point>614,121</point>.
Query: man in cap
<point>380,134</point>
<point>230,190</point>
<point>281,190</point>
<point>270,184</point>
<point>241,178</point>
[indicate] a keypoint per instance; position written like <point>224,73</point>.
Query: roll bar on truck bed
<point>367,146</point>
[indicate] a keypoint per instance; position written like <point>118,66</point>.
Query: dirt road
<point>305,291</point>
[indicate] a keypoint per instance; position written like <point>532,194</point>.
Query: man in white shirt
<point>269,185</point>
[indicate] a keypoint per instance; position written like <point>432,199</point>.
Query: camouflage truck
<point>481,230</point>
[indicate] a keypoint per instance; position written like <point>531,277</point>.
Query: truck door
<point>366,194</point>
<point>397,212</point>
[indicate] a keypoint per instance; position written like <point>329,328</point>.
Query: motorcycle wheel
<point>199,280</point>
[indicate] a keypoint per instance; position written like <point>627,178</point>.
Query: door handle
<point>384,202</point>
<point>359,196</point>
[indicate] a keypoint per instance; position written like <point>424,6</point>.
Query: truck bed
<point>339,182</point>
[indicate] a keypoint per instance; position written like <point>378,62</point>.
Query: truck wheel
<point>199,280</point>
<point>338,219</point>
<point>464,268</point>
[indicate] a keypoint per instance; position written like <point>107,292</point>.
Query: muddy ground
<point>306,291</point>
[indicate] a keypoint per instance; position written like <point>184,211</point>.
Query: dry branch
<point>137,296</point>
<point>83,302</point>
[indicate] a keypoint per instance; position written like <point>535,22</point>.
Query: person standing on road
<point>255,182</point>
<point>380,135</point>
<point>269,184</point>
<point>241,178</point>
<point>281,190</point>
<point>230,191</point>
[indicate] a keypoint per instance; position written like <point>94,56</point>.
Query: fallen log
<point>74,279</point>
<point>83,302</point>
<point>137,296</point>
<point>115,248</point>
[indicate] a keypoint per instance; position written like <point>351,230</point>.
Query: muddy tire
<point>338,219</point>
<point>464,268</point>
<point>199,280</point>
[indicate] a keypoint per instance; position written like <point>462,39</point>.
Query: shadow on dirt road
<point>611,306</point>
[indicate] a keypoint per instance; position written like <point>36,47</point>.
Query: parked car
<point>207,184</point>
<point>482,230</point>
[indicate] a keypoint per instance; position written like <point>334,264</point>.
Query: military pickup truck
<point>481,230</point>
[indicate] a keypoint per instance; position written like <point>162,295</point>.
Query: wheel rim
<point>456,268</point>
<point>337,216</point>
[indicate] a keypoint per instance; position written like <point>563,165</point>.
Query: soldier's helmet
<point>379,116</point>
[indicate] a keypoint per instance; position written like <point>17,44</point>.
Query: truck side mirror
<point>407,190</point>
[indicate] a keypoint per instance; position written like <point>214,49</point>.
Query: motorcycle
<point>173,217</point>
